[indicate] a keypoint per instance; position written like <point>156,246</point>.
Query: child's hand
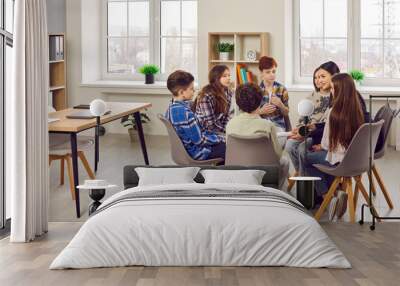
<point>276,101</point>
<point>316,148</point>
<point>296,136</point>
<point>267,109</point>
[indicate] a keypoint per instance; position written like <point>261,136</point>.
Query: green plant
<point>129,120</point>
<point>357,75</point>
<point>149,69</point>
<point>223,47</point>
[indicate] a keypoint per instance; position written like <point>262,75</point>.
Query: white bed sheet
<point>200,232</point>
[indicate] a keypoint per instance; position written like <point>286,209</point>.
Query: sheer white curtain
<point>27,123</point>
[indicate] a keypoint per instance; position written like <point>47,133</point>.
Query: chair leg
<point>364,193</point>
<point>356,192</point>
<point>291,182</point>
<point>71,176</point>
<point>62,171</point>
<point>382,186</point>
<point>86,165</point>
<point>373,188</point>
<point>327,198</point>
<point>350,200</point>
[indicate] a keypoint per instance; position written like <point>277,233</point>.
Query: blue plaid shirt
<point>197,141</point>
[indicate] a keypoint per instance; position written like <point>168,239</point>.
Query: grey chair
<point>253,150</point>
<point>178,152</point>
<point>353,165</point>
<point>387,114</point>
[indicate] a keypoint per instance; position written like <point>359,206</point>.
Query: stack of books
<point>243,75</point>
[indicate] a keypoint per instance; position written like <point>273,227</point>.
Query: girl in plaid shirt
<point>199,143</point>
<point>213,104</point>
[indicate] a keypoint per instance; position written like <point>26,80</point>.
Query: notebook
<point>51,119</point>
<point>83,114</point>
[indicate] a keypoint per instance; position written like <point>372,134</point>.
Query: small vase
<point>224,56</point>
<point>149,78</point>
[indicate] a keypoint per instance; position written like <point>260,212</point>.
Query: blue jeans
<point>295,149</point>
<point>318,157</point>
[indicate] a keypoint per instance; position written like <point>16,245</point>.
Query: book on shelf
<point>249,77</point>
<point>239,78</point>
<point>243,74</point>
<point>61,45</point>
<point>56,48</point>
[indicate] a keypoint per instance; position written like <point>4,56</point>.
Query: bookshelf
<point>243,42</point>
<point>57,71</point>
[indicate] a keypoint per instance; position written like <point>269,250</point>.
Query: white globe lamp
<point>305,108</point>
<point>98,107</point>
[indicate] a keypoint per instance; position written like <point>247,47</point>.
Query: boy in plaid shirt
<point>199,143</point>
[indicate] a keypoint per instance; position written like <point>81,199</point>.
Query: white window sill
<point>129,87</point>
<point>364,90</point>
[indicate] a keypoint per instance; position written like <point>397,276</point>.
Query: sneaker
<point>341,204</point>
<point>332,208</point>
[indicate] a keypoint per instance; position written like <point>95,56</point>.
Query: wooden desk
<point>74,126</point>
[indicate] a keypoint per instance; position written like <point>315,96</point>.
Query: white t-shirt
<point>336,156</point>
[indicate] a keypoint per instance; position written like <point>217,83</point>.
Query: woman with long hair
<point>343,120</point>
<point>213,103</point>
<point>321,97</point>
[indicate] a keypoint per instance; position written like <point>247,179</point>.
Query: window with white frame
<point>161,32</point>
<point>356,34</point>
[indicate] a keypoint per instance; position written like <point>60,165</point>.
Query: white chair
<point>60,149</point>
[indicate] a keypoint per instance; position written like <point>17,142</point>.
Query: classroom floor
<point>374,255</point>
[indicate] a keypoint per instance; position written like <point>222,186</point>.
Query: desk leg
<point>96,144</point>
<point>74,154</point>
<point>141,136</point>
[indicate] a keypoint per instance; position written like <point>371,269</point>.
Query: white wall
<point>56,16</point>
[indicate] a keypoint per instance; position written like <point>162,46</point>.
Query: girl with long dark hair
<point>213,103</point>
<point>343,120</point>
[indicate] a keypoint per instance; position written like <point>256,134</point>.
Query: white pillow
<point>248,177</point>
<point>166,176</point>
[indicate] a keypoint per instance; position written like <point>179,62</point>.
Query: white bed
<point>185,230</point>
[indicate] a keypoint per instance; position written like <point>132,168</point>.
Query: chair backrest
<point>250,151</point>
<point>387,114</point>
<point>356,160</point>
<point>178,152</point>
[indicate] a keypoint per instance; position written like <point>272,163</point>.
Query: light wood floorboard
<point>375,257</point>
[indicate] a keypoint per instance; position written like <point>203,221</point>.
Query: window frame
<point>155,36</point>
<point>6,39</point>
<point>353,46</point>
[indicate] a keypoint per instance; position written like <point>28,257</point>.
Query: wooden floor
<point>375,257</point>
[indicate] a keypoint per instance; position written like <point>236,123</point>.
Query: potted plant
<point>358,76</point>
<point>149,71</point>
<point>129,121</point>
<point>224,50</point>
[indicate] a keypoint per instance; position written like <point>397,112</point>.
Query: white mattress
<point>200,231</point>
